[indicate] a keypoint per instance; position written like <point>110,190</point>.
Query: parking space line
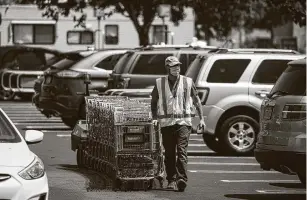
<point>232,172</point>
<point>63,135</point>
<point>197,145</point>
<point>48,127</point>
<point>25,122</point>
<point>224,157</point>
<point>281,191</point>
<point>219,163</point>
<point>196,139</point>
<point>56,131</point>
<point>260,181</point>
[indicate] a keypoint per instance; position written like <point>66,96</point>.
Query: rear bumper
<point>281,160</point>
<point>56,108</point>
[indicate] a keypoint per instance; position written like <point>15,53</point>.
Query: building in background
<point>24,24</point>
<point>287,36</point>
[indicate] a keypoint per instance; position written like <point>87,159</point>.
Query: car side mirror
<point>34,136</point>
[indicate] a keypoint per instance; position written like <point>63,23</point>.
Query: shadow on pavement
<point>267,196</point>
<point>288,185</point>
<point>94,181</point>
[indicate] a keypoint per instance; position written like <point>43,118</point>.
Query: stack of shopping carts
<point>122,141</point>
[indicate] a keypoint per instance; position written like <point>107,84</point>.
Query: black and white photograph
<point>153,100</point>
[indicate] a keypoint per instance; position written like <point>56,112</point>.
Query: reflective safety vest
<point>174,109</point>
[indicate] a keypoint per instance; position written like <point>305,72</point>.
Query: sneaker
<point>171,185</point>
<point>181,184</point>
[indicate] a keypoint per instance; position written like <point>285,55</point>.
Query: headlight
<point>34,171</point>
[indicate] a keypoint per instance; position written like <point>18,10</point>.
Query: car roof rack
<point>254,50</point>
<point>170,46</point>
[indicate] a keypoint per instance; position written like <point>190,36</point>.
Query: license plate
<point>134,138</point>
<point>27,82</point>
<point>267,113</point>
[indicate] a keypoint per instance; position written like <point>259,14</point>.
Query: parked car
<point>281,142</point>
<point>22,172</point>
<point>62,91</point>
<point>19,67</point>
<point>231,87</point>
<point>71,55</point>
<point>139,68</point>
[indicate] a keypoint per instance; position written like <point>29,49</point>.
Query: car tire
<point>210,141</point>
<point>70,121</point>
<point>7,95</point>
<point>238,135</point>
<point>302,178</point>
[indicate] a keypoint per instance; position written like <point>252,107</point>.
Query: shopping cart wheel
<point>146,185</point>
<point>151,182</point>
<point>160,179</point>
<point>116,184</point>
<point>124,186</point>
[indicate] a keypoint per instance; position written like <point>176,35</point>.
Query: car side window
<point>227,70</point>
<point>184,60</point>
<point>191,58</point>
<point>150,64</point>
<point>269,71</point>
<point>109,62</point>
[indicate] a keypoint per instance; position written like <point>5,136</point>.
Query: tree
<point>273,13</point>
<point>216,18</point>
<point>294,9</point>
<point>140,12</point>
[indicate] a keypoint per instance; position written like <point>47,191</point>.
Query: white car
<point>22,173</point>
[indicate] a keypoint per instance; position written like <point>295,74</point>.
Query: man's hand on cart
<point>155,122</point>
<point>201,127</point>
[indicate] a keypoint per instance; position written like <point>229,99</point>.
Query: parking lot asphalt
<point>211,176</point>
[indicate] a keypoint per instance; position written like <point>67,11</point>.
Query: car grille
<point>4,177</point>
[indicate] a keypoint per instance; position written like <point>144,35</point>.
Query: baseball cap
<point>172,61</point>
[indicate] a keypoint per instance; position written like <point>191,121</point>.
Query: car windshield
<point>92,59</point>
<point>292,81</point>
<point>7,132</point>
<point>195,67</point>
<point>50,62</point>
<point>120,66</point>
<point>71,59</point>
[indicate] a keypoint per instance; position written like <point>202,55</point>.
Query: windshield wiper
<point>281,92</point>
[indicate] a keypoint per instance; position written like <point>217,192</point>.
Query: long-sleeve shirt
<point>173,84</point>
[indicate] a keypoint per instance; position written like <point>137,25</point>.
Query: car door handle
<point>262,93</point>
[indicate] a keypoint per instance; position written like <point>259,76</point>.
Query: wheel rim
<point>241,135</point>
<point>6,95</point>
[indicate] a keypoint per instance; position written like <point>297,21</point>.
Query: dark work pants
<point>174,138</point>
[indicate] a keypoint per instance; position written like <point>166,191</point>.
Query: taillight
<point>48,79</point>
<point>294,112</point>
<point>69,74</point>
<point>123,83</point>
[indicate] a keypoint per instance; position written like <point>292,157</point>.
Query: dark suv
<point>139,68</point>
<point>62,91</point>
